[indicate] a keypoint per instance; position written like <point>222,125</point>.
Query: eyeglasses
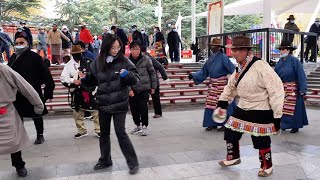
<point>19,43</point>
<point>115,48</point>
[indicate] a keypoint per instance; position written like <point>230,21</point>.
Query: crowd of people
<point>249,97</point>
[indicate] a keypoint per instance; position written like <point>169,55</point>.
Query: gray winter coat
<point>147,74</point>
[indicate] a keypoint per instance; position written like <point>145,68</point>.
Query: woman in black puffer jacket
<point>139,95</point>
<point>114,73</point>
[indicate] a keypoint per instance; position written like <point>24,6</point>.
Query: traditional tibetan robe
<point>291,72</point>
<point>216,68</point>
<point>261,99</point>
<point>13,136</point>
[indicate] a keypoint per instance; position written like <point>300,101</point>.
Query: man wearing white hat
<point>312,41</point>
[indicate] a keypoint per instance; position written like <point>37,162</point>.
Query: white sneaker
<point>136,130</point>
<point>144,131</point>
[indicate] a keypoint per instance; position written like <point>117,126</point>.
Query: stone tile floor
<point>176,148</point>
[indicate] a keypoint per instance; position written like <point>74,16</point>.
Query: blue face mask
<point>283,55</point>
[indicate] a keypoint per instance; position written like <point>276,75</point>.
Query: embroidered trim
<point>255,129</point>
<point>290,99</point>
<point>215,89</point>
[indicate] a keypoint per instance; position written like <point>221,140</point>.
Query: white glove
<point>167,81</point>
<point>38,109</point>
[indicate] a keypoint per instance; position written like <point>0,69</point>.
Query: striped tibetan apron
<point>290,99</point>
<point>215,89</point>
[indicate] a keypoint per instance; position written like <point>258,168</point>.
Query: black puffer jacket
<point>147,74</point>
<point>113,91</point>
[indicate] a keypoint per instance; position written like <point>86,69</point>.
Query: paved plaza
<point>176,148</point>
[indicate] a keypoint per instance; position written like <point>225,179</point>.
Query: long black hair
<point>106,46</point>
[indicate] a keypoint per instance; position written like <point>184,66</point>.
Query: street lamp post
<point>159,13</point>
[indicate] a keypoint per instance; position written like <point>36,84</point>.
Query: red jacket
<point>85,36</point>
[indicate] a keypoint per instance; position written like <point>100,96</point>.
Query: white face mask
<point>317,23</point>
<point>292,21</point>
<point>142,32</point>
<point>20,49</point>
<point>283,55</point>
<point>65,30</point>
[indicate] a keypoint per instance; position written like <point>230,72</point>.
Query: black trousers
<point>119,120</point>
<point>174,54</point>
<point>156,101</point>
<point>259,142</point>
<point>16,160</point>
<point>38,123</point>
<point>139,108</point>
<point>314,52</point>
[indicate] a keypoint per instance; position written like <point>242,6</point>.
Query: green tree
<point>17,9</point>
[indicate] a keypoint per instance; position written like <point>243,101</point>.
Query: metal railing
<point>265,42</point>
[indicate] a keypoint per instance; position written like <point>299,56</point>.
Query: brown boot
<point>233,155</point>
<point>266,162</point>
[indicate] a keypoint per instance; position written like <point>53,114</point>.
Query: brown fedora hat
<point>216,42</point>
<point>76,49</point>
<point>286,45</point>
<point>240,42</point>
<point>291,17</point>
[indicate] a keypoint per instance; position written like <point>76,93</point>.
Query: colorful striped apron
<point>290,99</point>
<point>215,89</point>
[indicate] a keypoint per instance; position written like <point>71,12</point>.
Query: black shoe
<point>221,129</point>
<point>39,140</point>
<point>209,128</point>
<point>22,172</point>
<point>78,135</point>
<point>134,170</point>
<point>99,166</point>
<point>294,130</point>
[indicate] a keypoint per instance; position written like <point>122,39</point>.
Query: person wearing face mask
<point>174,44</point>
<point>96,45</point>
<point>291,72</point>
<point>82,93</point>
<point>42,42</point>
<point>136,34</point>
<point>259,109</point>
<point>114,74</point>
<point>55,37</point>
<point>312,41</point>
<point>31,67</point>
<point>145,39</point>
<point>217,68</point>
<point>106,30</point>
<point>66,45</point>
<point>290,25</point>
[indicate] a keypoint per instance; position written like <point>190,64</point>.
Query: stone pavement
<point>176,148</point>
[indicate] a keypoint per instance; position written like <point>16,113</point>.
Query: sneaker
<point>97,134</point>
<point>39,140</point>
<point>134,170</point>
<point>136,130</point>
<point>78,135</point>
<point>144,131</point>
<point>22,172</point>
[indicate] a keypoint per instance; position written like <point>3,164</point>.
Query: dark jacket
<point>158,67</point>
<point>158,37</point>
<point>311,40</point>
<point>28,32</point>
<point>173,40</point>
<point>123,37</point>
<point>145,40</point>
<point>146,72</point>
<point>66,44</point>
<point>7,39</point>
<point>113,91</point>
<point>137,36</point>
<point>31,67</point>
